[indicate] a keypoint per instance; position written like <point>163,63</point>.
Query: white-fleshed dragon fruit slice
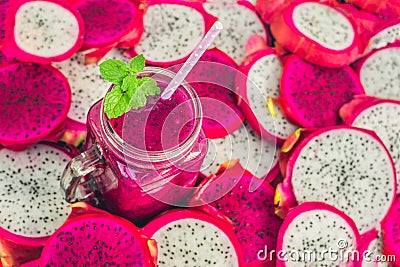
<point>342,166</point>
<point>172,30</point>
<point>371,250</point>
<point>262,72</point>
<point>31,206</point>
<point>42,31</point>
<point>256,155</point>
<point>379,72</point>
<point>87,87</point>
<point>380,116</point>
<point>391,234</point>
<point>252,212</point>
<point>312,228</point>
<point>317,32</point>
<point>383,36</point>
<point>240,22</point>
<point>193,238</point>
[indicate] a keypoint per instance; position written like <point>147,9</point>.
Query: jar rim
<point>175,153</point>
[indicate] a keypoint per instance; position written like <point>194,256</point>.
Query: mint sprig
<point>130,92</point>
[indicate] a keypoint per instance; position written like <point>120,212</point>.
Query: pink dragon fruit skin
<point>43,54</point>
<point>311,95</point>
<point>378,6</point>
<point>20,239</point>
<point>155,49</point>
<point>269,9</point>
<point>277,129</point>
<point>106,239</point>
<point>310,226</point>
<point>289,195</point>
<point>333,54</point>
<point>42,115</point>
<point>215,244</point>
<point>391,237</point>
<point>251,212</point>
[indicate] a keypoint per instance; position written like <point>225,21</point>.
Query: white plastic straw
<point>192,60</point>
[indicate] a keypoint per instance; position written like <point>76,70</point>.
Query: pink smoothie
<point>161,125</point>
<point>140,193</point>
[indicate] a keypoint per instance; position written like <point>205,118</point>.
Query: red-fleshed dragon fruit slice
<point>34,101</point>
<point>312,95</point>
<point>386,34</point>
<point>4,5</point>
<point>193,238</point>
<point>42,31</point>
<point>31,206</point>
<point>318,33</point>
<point>380,116</point>
<point>172,30</point>
<point>240,21</point>
<point>213,79</point>
<point>391,234</point>
<point>110,23</point>
<point>315,227</point>
<point>342,166</point>
<point>256,155</point>
<point>93,237</point>
<point>261,85</point>
<point>3,59</point>
<point>379,72</point>
<point>251,212</point>
<point>87,86</point>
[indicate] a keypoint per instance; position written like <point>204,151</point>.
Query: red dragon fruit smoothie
<point>138,181</point>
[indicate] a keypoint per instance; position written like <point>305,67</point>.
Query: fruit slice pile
<point>301,107</point>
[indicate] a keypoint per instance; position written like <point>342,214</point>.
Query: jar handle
<point>73,183</point>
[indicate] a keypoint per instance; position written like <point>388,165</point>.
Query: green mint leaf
<point>116,103</point>
<point>129,83</point>
<point>114,71</point>
<point>137,64</point>
<point>130,91</point>
<point>138,99</point>
<point>148,86</point>
<point>145,86</point>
